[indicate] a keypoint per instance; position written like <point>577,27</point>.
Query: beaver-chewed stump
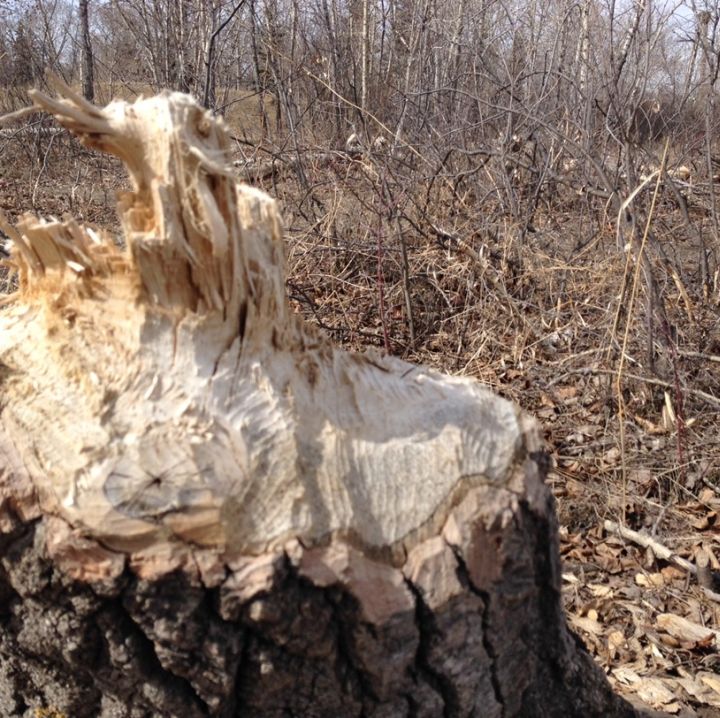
<point>209,510</point>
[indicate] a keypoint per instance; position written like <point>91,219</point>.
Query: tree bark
<point>88,73</point>
<point>206,509</point>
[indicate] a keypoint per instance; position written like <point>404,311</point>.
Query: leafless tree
<point>88,82</point>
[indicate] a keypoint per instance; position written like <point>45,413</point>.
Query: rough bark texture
<point>470,625</point>
<point>88,69</point>
<point>208,510</point>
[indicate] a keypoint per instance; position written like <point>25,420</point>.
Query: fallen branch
<point>251,171</point>
<point>702,572</point>
<point>645,541</point>
<point>704,396</point>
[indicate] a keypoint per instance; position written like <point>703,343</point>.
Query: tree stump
<point>206,509</point>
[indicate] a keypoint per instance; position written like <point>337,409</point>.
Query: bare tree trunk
<point>88,82</point>
<point>707,82</point>
<point>364,57</point>
<point>206,509</point>
<point>454,53</point>
<point>210,18</point>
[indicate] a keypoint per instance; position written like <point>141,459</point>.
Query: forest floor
<point>554,318</point>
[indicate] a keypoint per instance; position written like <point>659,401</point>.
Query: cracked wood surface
<point>206,509</point>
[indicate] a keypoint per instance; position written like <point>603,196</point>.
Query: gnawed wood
<point>178,400</point>
<point>232,516</point>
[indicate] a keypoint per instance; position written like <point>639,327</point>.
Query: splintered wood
<point>168,397</point>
